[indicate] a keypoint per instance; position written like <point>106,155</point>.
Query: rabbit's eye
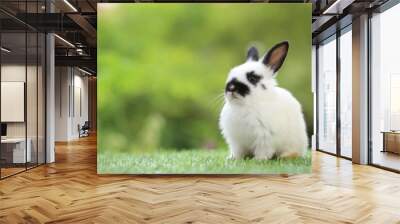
<point>253,78</point>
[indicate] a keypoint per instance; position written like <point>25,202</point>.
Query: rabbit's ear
<point>252,54</point>
<point>275,57</point>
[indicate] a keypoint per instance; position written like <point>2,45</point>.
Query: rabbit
<point>260,119</point>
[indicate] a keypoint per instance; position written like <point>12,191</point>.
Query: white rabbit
<point>259,118</point>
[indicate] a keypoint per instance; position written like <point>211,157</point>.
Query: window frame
<point>378,10</point>
<point>347,27</point>
<point>27,29</point>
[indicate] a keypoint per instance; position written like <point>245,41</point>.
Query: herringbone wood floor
<point>70,191</point>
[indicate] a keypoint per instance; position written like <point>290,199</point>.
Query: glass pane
<point>31,88</point>
<point>41,98</point>
<point>13,88</point>
<point>386,89</point>
<point>22,102</point>
<point>31,100</point>
<point>346,94</point>
<point>327,96</point>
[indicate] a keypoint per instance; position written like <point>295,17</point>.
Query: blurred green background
<point>162,68</point>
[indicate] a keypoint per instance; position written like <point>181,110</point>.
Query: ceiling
<point>75,22</point>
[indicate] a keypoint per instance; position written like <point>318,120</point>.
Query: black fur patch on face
<point>235,86</point>
<point>253,78</point>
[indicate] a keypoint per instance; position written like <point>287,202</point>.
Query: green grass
<point>196,162</point>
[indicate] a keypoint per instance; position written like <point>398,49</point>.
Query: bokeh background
<point>162,68</point>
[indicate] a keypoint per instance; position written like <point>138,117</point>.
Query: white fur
<point>264,123</point>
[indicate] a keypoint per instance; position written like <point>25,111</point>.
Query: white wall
<point>71,93</point>
<point>12,73</point>
<point>62,81</point>
<point>81,100</point>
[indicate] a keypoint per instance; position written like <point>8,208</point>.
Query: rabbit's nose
<point>230,87</point>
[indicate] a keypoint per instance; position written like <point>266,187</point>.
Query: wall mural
<point>204,88</point>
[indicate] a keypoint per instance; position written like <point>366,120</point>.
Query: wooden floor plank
<point>70,191</point>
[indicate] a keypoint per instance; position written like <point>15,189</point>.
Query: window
<point>327,95</point>
<point>22,77</point>
<point>346,92</point>
<point>385,89</point>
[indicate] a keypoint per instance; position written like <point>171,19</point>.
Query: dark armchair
<point>84,129</point>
